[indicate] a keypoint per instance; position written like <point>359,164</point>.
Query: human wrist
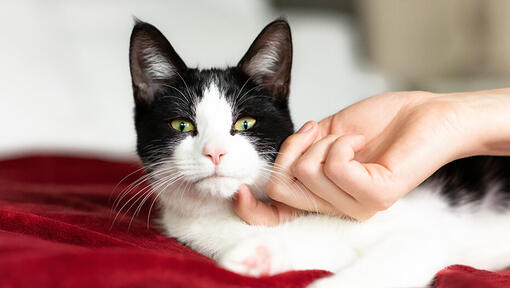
<point>494,122</point>
<point>484,121</point>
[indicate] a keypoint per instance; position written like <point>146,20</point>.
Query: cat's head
<point>206,132</point>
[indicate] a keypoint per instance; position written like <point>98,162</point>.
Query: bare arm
<point>364,158</point>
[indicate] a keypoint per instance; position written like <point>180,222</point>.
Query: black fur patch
<point>470,179</point>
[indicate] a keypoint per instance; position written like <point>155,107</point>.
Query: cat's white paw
<point>258,257</point>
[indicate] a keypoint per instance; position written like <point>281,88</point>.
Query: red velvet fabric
<point>56,231</point>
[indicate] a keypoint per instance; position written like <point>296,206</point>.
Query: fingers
<point>296,144</point>
<point>309,171</point>
<point>357,178</point>
<point>295,194</point>
<point>282,185</point>
<point>325,126</point>
<point>256,212</point>
<point>316,175</point>
<point>340,166</point>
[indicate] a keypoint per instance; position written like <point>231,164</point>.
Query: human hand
<point>364,158</point>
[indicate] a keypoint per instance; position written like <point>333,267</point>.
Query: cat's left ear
<point>269,59</point>
<point>153,61</point>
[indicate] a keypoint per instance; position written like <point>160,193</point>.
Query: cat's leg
<point>237,246</point>
<point>298,245</point>
<point>306,243</point>
<point>397,262</point>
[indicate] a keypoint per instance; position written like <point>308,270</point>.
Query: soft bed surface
<point>56,231</point>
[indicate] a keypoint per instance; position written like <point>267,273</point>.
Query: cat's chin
<point>218,186</point>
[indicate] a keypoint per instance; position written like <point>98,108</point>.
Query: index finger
<point>296,144</point>
<point>282,185</point>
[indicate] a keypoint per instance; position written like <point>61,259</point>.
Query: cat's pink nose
<point>214,154</point>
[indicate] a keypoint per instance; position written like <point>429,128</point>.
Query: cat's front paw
<point>258,257</point>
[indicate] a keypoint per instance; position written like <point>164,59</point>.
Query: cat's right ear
<point>153,61</point>
<point>269,59</point>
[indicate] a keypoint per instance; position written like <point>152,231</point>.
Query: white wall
<point>64,71</point>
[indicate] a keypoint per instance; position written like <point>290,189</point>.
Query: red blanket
<point>55,231</point>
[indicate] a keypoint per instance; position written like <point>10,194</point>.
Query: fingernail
<point>235,197</point>
<point>308,125</point>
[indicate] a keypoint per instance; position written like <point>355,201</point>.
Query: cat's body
<point>202,133</point>
<point>401,247</point>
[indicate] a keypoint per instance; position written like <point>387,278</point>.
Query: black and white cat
<point>203,133</point>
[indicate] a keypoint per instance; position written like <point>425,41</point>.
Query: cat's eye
<point>182,125</point>
<point>244,123</point>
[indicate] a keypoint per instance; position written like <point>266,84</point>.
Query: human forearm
<point>486,120</point>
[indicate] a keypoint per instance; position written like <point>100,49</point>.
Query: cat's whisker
<point>239,99</point>
<point>153,189</point>
<point>251,96</point>
<point>141,191</point>
<point>136,195</point>
<point>166,184</point>
<point>242,87</point>
<point>182,101</point>
<point>186,189</point>
<point>147,195</point>
<point>130,174</point>
<point>187,88</point>
<point>135,185</point>
<point>125,178</point>
<point>292,184</point>
<point>178,98</point>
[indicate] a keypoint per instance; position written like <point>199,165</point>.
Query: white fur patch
<point>157,65</point>
<point>265,62</point>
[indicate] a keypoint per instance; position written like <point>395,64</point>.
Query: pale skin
<point>364,158</point>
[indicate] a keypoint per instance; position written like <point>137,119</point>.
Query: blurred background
<point>64,73</point>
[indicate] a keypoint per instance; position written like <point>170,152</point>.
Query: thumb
<point>255,212</point>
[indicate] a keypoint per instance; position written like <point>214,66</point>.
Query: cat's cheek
<point>244,161</point>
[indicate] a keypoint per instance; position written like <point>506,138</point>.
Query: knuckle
<point>331,138</point>
<point>275,192</point>
<point>290,141</point>
<point>381,202</point>
<point>304,169</point>
<point>340,124</point>
<point>331,169</point>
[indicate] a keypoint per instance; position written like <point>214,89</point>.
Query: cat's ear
<point>269,59</point>
<point>153,61</point>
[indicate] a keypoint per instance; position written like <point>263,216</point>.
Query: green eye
<point>182,125</point>
<point>244,123</point>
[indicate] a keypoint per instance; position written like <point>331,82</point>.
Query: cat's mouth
<point>213,177</point>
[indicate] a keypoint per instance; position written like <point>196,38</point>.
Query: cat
<point>203,133</point>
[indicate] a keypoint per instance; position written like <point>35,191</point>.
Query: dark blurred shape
<point>317,5</point>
